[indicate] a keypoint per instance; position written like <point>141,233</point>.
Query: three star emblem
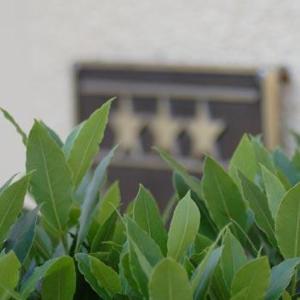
<point>203,130</point>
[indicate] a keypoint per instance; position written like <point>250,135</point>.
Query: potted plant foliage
<point>233,234</point>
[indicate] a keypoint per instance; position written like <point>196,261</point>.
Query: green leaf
<point>51,182</point>
<point>59,282</point>
<point>223,199</point>
<point>147,251</point>
<point>191,181</point>
<point>7,183</point>
<point>243,159</point>
<point>106,208</point>
<point>84,266</point>
<point>11,203</point>
<point>259,204</point>
<point>179,185</point>
<point>281,276</point>
<point>42,243</point>
<point>22,234</point>
<point>184,227</point>
<point>137,271</point>
<point>104,233</point>
<point>129,285</point>
<point>53,134</point>
<point>86,144</point>
<point>232,259</point>
<point>147,216</point>
<point>274,189</point>
<point>207,226</point>
<point>287,223</point>
<point>11,119</point>
<point>286,296</point>
<point>201,243</point>
<point>9,274</point>
<point>205,271</point>
<point>285,165</point>
<point>251,281</point>
<point>169,281</point>
<point>91,199</point>
<point>263,156</point>
<point>106,277</point>
<point>46,269</point>
<point>68,145</point>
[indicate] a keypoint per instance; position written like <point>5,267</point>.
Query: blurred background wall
<point>41,41</point>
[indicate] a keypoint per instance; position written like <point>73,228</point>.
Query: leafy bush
<point>233,234</point>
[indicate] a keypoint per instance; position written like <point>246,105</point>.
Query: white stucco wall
<point>40,40</point>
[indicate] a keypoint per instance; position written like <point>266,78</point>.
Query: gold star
<point>126,126</point>
<point>204,131</point>
<point>164,128</point>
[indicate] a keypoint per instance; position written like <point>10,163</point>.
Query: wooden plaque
<point>188,111</point>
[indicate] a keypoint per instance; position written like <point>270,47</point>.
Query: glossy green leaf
<point>42,243</point>
<point>263,156</point>
<point>147,251</point>
<point>274,189</point>
<point>9,274</point>
<point>53,265</point>
<point>68,145</point>
<point>184,227</point>
<point>11,203</point>
<point>243,160</point>
<point>86,144</point>
<point>286,296</point>
<point>59,282</point>
<point>22,234</point>
<point>251,281</point>
<point>259,204</point>
<point>287,223</point>
<point>104,233</point>
<point>92,198</point>
<point>146,215</point>
<point>106,277</point>
<point>204,272</point>
<point>201,243</point>
<point>51,181</point>
<point>232,259</point>
<point>129,285</point>
<point>19,130</point>
<point>207,226</point>
<point>285,165</point>
<point>137,271</point>
<point>109,203</point>
<point>281,276</point>
<point>223,199</point>
<point>191,181</point>
<point>7,183</point>
<point>84,266</point>
<point>52,134</point>
<point>169,281</point>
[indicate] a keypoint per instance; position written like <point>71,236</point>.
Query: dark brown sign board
<point>189,111</point>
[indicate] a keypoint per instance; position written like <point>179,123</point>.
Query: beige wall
<point>40,40</point>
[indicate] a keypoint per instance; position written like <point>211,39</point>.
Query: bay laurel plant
<point>233,234</point>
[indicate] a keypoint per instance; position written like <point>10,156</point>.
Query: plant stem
<point>294,283</point>
<point>65,244</point>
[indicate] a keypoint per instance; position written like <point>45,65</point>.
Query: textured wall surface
<point>40,41</point>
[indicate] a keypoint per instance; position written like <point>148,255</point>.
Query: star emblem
<point>204,131</point>
<point>126,125</point>
<point>165,129</point>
